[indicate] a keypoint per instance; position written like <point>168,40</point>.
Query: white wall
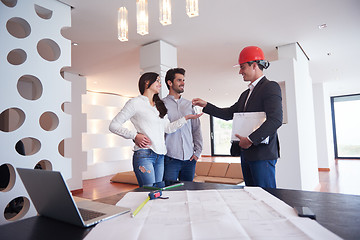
<point>322,93</point>
<point>73,145</point>
<point>31,44</point>
<point>107,153</point>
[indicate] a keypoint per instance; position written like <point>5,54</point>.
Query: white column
<point>325,143</point>
<point>158,57</point>
<point>297,167</point>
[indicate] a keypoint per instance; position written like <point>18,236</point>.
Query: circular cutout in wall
<point>9,3</point>
<point>16,56</point>
<point>48,49</point>
<point>29,87</point>
<point>66,107</point>
<point>30,146</point>
<point>62,72</point>
<point>20,147</point>
<point>44,165</point>
<point>16,208</point>
<point>61,148</point>
<point>11,119</point>
<point>42,12</point>
<point>7,177</point>
<point>18,27</point>
<point>49,121</point>
<point>63,106</point>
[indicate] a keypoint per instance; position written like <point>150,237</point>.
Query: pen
<point>140,207</point>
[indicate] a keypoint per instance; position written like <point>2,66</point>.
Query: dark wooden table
<point>337,212</point>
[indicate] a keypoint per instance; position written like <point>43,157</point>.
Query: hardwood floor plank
<point>344,177</point>
<point>103,187</point>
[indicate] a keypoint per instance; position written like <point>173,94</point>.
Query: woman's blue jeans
<point>148,166</point>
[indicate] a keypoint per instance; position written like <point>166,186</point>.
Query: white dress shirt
<point>251,87</point>
<point>146,120</point>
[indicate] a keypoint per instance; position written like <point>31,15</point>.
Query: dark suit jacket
<point>266,97</point>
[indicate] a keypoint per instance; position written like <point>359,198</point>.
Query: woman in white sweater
<point>147,113</point>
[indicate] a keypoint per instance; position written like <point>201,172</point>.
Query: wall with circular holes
<point>33,124</point>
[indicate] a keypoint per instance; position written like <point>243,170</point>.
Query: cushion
<point>199,178</point>
<point>222,180</point>
<point>125,177</point>
<point>202,168</point>
<point>234,171</point>
<point>218,169</point>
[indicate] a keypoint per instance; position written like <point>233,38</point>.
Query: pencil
<point>140,207</point>
<point>172,186</point>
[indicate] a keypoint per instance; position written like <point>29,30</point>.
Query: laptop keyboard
<point>87,214</point>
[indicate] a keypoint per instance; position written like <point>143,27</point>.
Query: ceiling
<point>208,45</point>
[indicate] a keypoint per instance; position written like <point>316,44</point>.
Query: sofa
<point>218,172</point>
<point>212,172</point>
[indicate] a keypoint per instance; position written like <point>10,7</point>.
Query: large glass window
<point>346,125</point>
<point>220,136</point>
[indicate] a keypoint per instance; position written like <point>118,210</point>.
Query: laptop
<point>52,198</point>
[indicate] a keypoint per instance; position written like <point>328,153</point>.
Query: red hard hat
<point>251,53</point>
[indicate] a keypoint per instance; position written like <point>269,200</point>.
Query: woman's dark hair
<point>150,78</point>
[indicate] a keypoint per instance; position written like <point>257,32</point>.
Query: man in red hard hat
<point>260,150</point>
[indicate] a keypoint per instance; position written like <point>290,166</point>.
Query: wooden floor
<point>344,177</point>
<point>102,187</point>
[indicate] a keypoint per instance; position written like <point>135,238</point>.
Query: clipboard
<point>245,123</point>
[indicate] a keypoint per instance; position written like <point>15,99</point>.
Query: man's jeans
<point>174,169</point>
<point>148,166</point>
<point>259,173</point>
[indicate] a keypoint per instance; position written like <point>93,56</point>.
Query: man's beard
<point>179,90</point>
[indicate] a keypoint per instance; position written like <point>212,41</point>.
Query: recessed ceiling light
<point>75,44</point>
<point>322,26</point>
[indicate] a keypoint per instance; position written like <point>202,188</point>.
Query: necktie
<point>251,88</point>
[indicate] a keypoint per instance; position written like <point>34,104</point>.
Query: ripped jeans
<point>148,166</point>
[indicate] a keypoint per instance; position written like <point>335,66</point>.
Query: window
<point>346,126</point>
<point>220,136</point>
